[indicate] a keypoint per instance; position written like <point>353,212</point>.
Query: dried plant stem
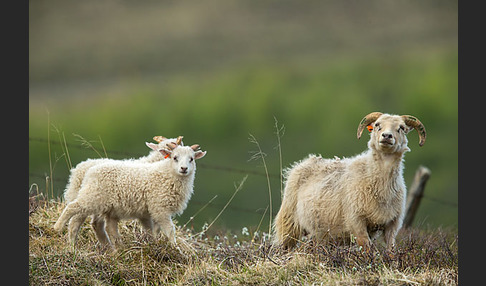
<point>88,144</point>
<point>280,131</point>
<point>259,224</point>
<point>103,145</point>
<point>200,210</point>
<point>225,206</point>
<point>50,178</point>
<point>64,147</point>
<point>262,155</point>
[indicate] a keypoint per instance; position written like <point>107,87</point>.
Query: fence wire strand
<point>201,165</point>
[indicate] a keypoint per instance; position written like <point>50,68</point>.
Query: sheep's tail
<point>68,212</point>
<point>286,229</point>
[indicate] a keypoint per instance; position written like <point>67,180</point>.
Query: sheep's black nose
<point>387,135</point>
<point>183,169</point>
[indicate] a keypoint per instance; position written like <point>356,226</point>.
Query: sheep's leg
<point>74,226</point>
<point>98,224</point>
<point>156,227</point>
<point>147,224</point>
<point>363,240</point>
<point>361,233</point>
<point>71,209</point>
<point>167,226</point>
<point>391,230</point>
<point>112,229</point>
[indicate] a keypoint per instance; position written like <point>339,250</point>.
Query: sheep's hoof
<point>364,245</point>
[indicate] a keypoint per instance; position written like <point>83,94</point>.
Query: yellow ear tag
<point>370,128</point>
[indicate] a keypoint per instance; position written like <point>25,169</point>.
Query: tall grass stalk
<point>64,147</point>
<point>279,131</point>
<point>103,146</point>
<point>225,206</point>
<point>256,155</point>
<point>200,210</point>
<point>50,177</point>
<point>88,144</point>
<point>259,224</point>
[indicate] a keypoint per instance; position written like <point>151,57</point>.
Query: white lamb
<point>336,198</point>
<point>78,172</point>
<point>128,189</point>
<point>77,175</point>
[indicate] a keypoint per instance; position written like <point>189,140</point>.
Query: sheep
<point>128,189</point>
<point>78,173</point>
<point>350,197</point>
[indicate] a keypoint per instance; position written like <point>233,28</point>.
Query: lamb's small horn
<point>195,147</point>
<point>367,120</point>
<point>413,121</point>
<point>179,140</point>
<point>171,146</point>
<point>159,139</point>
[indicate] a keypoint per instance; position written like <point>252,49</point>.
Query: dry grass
<point>226,258</point>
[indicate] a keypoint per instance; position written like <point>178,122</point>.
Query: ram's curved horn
<point>179,140</point>
<point>159,139</point>
<point>413,121</point>
<point>195,147</point>
<point>367,120</point>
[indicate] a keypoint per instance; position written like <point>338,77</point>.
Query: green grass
<point>319,103</point>
<point>426,257</point>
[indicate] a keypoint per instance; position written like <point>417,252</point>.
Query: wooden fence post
<point>415,194</point>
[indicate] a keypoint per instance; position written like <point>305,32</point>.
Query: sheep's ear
<point>166,153</point>
<point>367,120</point>
<point>152,146</point>
<point>200,154</point>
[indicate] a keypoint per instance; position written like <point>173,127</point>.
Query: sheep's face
<point>389,134</point>
<point>183,159</point>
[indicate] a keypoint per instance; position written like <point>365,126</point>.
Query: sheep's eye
<point>175,158</point>
<point>377,125</point>
<point>401,128</point>
<point>190,160</point>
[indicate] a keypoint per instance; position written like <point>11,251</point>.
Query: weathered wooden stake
<point>415,194</point>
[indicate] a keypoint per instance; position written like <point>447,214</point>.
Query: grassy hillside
<point>241,257</point>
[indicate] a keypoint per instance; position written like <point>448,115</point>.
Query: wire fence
<point>200,165</point>
<point>64,180</point>
<point>133,155</point>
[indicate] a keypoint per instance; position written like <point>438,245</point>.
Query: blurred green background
<point>120,72</point>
